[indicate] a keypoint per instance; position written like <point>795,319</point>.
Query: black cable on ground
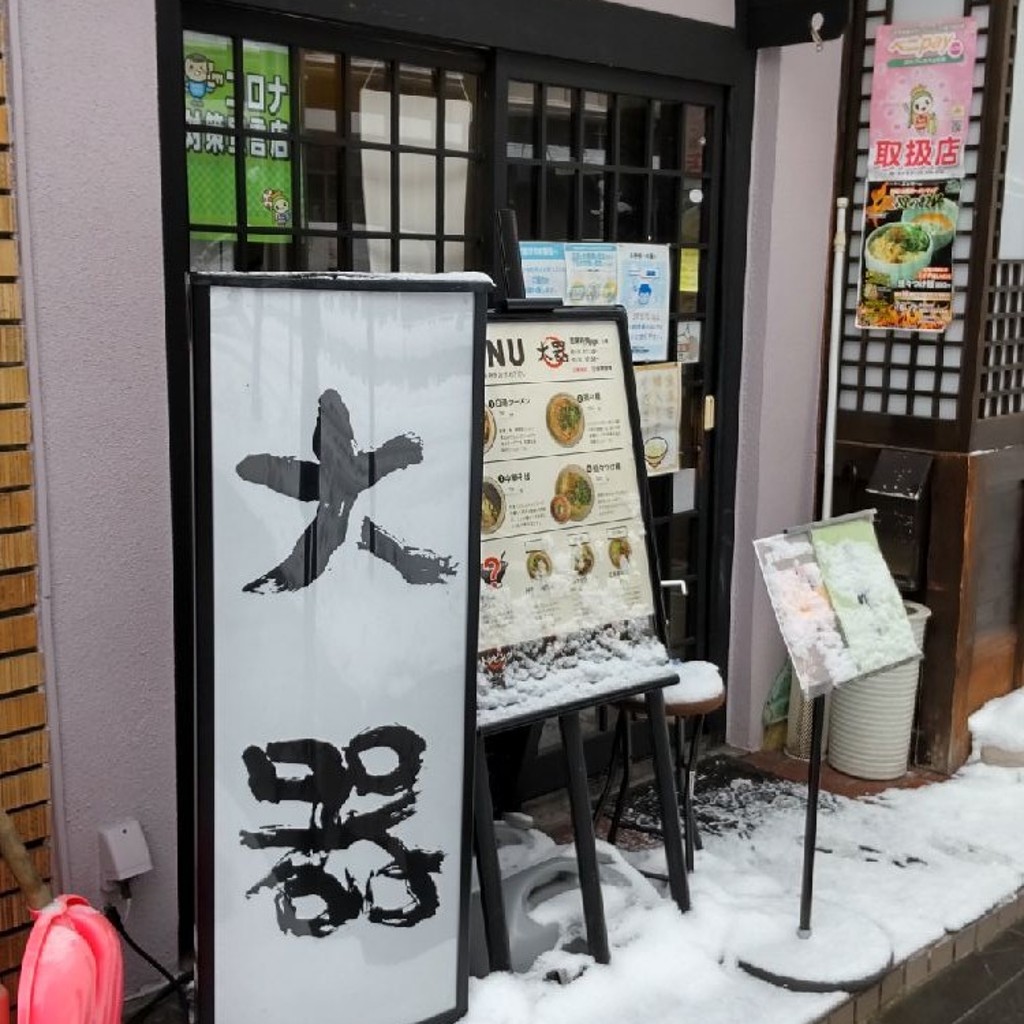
<point>173,984</point>
<point>158,997</point>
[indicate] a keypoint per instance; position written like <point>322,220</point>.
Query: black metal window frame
<point>344,43</point>
<point>699,378</point>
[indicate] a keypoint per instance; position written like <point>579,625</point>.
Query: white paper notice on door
<point>659,396</point>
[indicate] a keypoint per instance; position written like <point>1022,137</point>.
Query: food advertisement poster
<point>563,545</point>
<point>543,269</point>
<point>644,273</point>
<point>906,267</point>
<point>837,606</point>
<point>921,99</point>
<point>659,396</point>
<point>592,274</point>
<point>335,497</point>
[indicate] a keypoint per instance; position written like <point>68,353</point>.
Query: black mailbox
<point>898,491</point>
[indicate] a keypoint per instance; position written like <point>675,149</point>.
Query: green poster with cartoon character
<point>214,92</point>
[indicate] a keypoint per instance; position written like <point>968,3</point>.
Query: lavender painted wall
<point>85,108</point>
<point>788,265</point>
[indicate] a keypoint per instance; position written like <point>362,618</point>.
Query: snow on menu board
<point>563,543</point>
<point>837,606</point>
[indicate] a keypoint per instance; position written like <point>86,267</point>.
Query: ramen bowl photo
<point>492,511</point>
<point>938,221</point>
<point>655,450</point>
<point>898,252</point>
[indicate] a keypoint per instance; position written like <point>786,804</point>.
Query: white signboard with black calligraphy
<point>337,503</point>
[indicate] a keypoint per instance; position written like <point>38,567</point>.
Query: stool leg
<point>691,771</point>
<point>683,768</point>
<point>679,741</point>
<point>627,758</point>
<point>612,762</point>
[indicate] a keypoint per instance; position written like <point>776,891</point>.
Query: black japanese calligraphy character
<point>333,776</point>
<point>342,473</point>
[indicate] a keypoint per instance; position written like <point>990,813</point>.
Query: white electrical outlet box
<point>124,852</point>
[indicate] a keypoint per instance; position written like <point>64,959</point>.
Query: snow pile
<point>555,672</point>
<point>698,681</point>
<point>999,725</point>
<point>919,863</point>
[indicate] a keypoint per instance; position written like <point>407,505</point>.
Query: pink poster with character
<point>921,99</point>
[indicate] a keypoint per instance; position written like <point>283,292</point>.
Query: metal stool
<point>680,706</point>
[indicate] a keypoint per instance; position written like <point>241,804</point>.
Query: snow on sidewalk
<point>998,730</point>
<point>920,863</point>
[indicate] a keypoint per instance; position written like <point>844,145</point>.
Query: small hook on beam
<point>817,22</point>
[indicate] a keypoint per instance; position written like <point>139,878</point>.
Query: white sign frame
<point>335,691</point>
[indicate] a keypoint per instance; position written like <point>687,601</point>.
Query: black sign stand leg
<point>668,801</point>
<point>811,823</point>
<point>583,829</point>
<point>486,848</point>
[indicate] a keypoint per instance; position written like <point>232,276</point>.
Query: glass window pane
<point>417,106</point>
<point>692,224</point>
<point>270,256</point>
<point>369,86</point>
<point>209,103</point>
<point>667,135</point>
<point>320,81</point>
<point>211,252</point>
<point>522,119</point>
<point>417,256</point>
<point>666,209</point>
<point>558,104</point>
<point>456,183</point>
<point>265,90</point>
<point>595,128</point>
<point>211,178</point>
<point>454,256</point>
<point>632,131</point>
<point>417,193</point>
<point>209,79</point>
<point>691,281</point>
<point>368,190</point>
<point>631,199</point>
<point>695,133</point>
<point>522,197</point>
<point>320,186</point>
<point>371,255</point>
<point>460,92</point>
<point>319,252</point>
<point>268,190</point>
<point>595,187</point>
<point>561,201</point>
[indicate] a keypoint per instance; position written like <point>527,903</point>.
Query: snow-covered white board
<point>838,608</point>
<point>336,700</point>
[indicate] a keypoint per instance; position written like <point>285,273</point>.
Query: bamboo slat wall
<point>24,746</point>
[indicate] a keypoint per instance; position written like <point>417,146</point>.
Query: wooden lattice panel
<point>904,373</point>
<point>1001,383</point>
<point>1002,375</point>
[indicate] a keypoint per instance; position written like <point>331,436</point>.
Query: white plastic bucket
<point>872,718</point>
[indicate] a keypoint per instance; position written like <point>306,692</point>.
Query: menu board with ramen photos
<point>563,543</point>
